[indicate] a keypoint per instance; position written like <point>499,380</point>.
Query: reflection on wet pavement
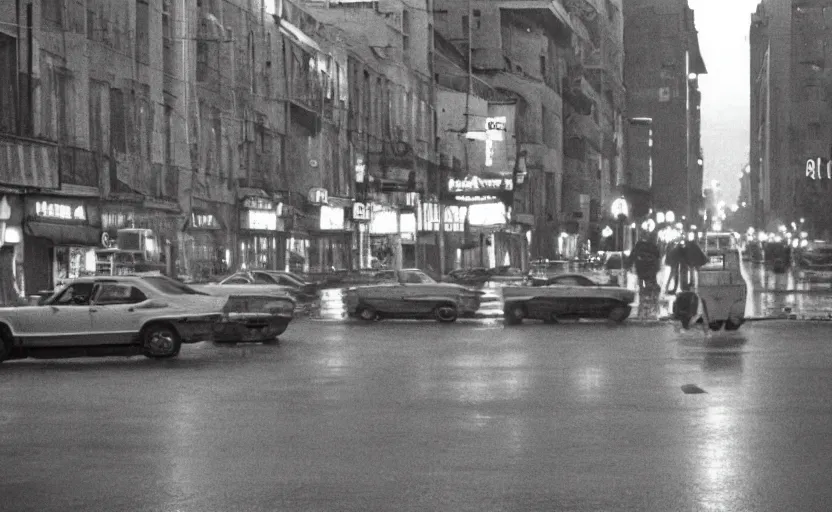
<point>421,416</point>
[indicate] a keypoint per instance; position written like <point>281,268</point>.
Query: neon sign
<point>815,168</point>
<point>476,184</point>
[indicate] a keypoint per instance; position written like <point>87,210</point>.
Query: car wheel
<point>731,325</point>
<point>619,313</point>
<point>445,313</point>
<point>160,341</point>
<point>716,325</point>
<point>367,314</point>
<point>5,343</point>
<point>514,314</point>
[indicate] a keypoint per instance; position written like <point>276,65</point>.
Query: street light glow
<point>670,217</point>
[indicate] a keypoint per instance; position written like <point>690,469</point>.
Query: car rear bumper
<point>250,329</point>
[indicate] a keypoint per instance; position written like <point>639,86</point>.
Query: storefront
<point>205,251</point>
<point>262,237</point>
<point>60,236</point>
<point>11,249</point>
<point>385,244</point>
<point>331,244</point>
<point>163,218</point>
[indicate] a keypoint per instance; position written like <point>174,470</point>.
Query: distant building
<point>791,119</point>
<point>661,66</point>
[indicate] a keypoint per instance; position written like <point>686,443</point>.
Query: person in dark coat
<point>646,259</point>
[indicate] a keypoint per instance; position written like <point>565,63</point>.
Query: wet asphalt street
<point>420,416</point>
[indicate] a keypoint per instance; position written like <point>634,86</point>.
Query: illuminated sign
<point>257,203</point>
<point>815,169</point>
<point>495,127</point>
<point>332,218</point>
<point>59,211</point>
<point>360,211</point>
<point>318,196</point>
<point>360,169</point>
<point>476,199</point>
<point>265,220</point>
<point>477,184</point>
<point>203,221</point>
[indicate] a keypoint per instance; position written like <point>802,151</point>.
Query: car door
<point>115,319</point>
<point>416,294</point>
<point>65,321</point>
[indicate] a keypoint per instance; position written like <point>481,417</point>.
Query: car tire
<point>514,314</point>
<point>6,345</point>
<point>367,314</point>
<point>445,313</point>
<point>716,325</point>
<point>730,325</point>
<point>619,313</point>
<point>160,341</point>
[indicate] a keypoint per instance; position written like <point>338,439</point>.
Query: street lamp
<point>620,210</point>
<point>670,217</point>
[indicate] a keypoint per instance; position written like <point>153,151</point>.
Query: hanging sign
<point>318,196</point>
<point>360,211</point>
<point>54,210</point>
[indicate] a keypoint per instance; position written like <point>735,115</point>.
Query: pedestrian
<point>646,258</point>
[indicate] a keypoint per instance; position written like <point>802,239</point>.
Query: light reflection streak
<point>716,459</point>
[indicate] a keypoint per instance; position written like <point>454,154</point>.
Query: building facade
<point>661,65</point>
<point>791,127</point>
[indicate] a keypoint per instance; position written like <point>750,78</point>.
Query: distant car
<point>130,315</point>
<point>411,293</point>
<point>568,296</point>
<point>265,280</point>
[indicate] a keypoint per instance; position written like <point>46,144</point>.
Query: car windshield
<point>170,286</point>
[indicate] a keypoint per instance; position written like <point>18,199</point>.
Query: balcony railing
<point>29,163</point>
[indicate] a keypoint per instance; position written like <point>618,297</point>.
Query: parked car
<point>271,281</point>
<point>568,296</point>
<point>411,293</point>
<point>130,315</point>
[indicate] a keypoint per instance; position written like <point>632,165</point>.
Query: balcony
<point>29,163</point>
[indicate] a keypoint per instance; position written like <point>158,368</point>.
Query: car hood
<point>224,290</point>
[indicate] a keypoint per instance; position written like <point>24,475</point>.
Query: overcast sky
<point>723,38</point>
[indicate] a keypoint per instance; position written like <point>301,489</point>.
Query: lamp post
<point>620,210</point>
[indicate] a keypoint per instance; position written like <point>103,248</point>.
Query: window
<point>118,293</point>
<point>406,34</point>
<point>142,32</point>
<point>8,84</point>
<point>465,27</point>
<point>117,135</point>
<point>236,280</point>
<point>169,286</point>
<point>477,18</point>
<point>261,278</point>
<point>77,294</point>
<point>53,12</point>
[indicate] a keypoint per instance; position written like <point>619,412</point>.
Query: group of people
<point>683,257</point>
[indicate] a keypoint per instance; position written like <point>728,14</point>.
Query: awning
<point>63,234</point>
